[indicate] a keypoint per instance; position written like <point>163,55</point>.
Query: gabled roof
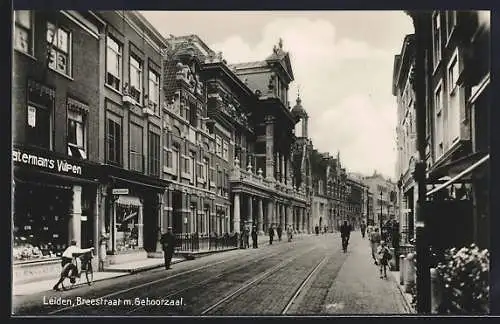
<point>283,58</point>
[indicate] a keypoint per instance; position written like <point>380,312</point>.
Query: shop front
<point>133,216</point>
<point>54,202</point>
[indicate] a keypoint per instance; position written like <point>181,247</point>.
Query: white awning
<point>128,201</point>
<point>460,175</point>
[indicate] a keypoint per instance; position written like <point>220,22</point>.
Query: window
<point>154,154</point>
<point>135,79</point>
<point>451,21</point>
<point>76,135</point>
<point>23,31</point>
<point>186,165</point>
<point>113,63</point>
<point>59,45</point>
<point>192,165</point>
<point>175,160</point>
<point>39,126</point>
<point>136,148</point>
<point>154,91</point>
<point>225,150</point>
<point>204,174</point>
<point>218,145</point>
<point>114,140</point>
<point>438,121</point>
<point>454,103</point>
<point>436,38</point>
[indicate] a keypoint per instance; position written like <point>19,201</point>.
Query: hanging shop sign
<point>47,161</point>
<point>120,191</point>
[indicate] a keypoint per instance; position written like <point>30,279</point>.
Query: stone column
<point>269,147</point>
<point>260,217</point>
<point>301,220</point>
<point>282,215</point>
<point>236,212</point>
<point>270,213</point>
<point>282,177</point>
<point>250,210</point>
<point>75,222</point>
<point>289,216</point>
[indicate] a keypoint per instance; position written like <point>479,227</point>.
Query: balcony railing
<point>249,177</point>
<point>199,242</point>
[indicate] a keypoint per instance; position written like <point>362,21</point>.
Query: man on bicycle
<point>345,234</point>
<point>67,258</point>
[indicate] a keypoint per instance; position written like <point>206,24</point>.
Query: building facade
<point>385,204</point>
<point>56,108</point>
<point>406,133</point>
<point>457,112</point>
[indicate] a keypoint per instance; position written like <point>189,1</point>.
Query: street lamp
<point>380,220</point>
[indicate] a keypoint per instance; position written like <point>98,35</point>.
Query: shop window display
<point>127,221</point>
<point>40,221</point>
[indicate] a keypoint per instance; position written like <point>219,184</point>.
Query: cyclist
<point>67,258</point>
<point>345,233</point>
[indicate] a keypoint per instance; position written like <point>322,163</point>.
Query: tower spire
<point>298,95</point>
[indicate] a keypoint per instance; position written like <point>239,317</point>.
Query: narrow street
<point>308,276</point>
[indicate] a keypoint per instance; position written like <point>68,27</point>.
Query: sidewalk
<point>406,296</point>
<point>358,288</point>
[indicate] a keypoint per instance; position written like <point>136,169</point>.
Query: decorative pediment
<point>283,58</point>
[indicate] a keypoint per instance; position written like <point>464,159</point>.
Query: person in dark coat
<point>316,229</point>
<point>254,237</point>
<point>271,235</point>
<point>168,244</point>
<point>345,234</point>
<point>247,238</point>
<point>280,231</point>
<point>363,229</point>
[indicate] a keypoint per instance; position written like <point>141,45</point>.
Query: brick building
<point>56,107</point>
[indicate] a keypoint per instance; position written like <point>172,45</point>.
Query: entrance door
<point>87,223</point>
<point>177,225</point>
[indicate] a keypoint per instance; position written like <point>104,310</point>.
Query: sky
<point>342,61</point>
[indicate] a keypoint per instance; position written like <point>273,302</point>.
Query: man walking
<point>363,229</point>
<point>280,231</point>
<point>254,237</point>
<point>168,244</point>
<point>271,235</point>
<point>345,234</point>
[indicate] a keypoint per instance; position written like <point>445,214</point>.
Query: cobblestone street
<point>308,276</point>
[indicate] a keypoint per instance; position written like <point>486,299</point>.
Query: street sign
<point>120,191</point>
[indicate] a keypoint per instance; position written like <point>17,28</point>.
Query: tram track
<point>184,276</point>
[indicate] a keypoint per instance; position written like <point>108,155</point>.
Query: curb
<point>407,303</point>
<point>141,269</point>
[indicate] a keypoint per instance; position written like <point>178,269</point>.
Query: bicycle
<point>86,260</point>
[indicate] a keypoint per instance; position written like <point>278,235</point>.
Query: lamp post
<point>380,220</point>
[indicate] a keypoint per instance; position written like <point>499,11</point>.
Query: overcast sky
<point>342,60</point>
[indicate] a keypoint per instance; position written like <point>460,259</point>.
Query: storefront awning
<point>454,168</point>
<point>468,170</point>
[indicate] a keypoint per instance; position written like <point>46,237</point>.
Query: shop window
<point>135,79</point>
<point>136,148</point>
<point>40,226</point>
<point>114,140</point>
<point>127,227</point>
<point>59,44</point>
<point>76,135</point>
<point>154,154</point>
<point>154,91</point>
<point>23,32</point>
<point>113,63</point>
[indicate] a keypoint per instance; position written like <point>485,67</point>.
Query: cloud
<point>345,86</point>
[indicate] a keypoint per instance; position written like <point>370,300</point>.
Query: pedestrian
<point>374,241</point>
<point>384,255</point>
<point>168,244</point>
<point>247,238</point>
<point>289,231</point>
<point>316,229</point>
<point>280,232</point>
<point>345,234</point>
<point>363,229</point>
<point>254,237</point>
<point>271,235</point>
